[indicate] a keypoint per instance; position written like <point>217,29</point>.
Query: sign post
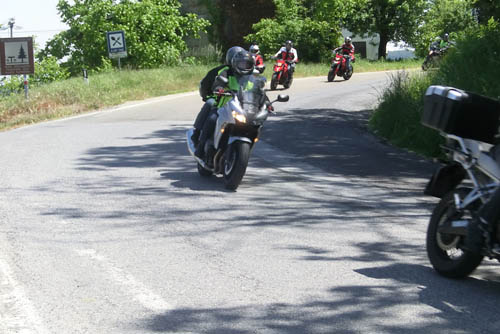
<point>117,47</point>
<point>16,57</point>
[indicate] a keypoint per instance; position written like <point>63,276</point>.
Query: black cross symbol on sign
<point>116,40</point>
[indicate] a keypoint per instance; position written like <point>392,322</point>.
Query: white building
<point>366,46</point>
<point>399,50</point>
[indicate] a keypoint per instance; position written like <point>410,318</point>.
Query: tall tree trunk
<point>382,47</point>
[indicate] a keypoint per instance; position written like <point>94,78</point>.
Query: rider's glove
<point>270,108</point>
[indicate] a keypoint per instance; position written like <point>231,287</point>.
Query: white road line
<point>128,283</point>
<point>17,314</point>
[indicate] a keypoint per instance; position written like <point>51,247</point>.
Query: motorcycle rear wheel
<point>274,81</point>
<point>288,83</point>
<point>235,164</point>
<point>348,74</point>
<point>443,250</point>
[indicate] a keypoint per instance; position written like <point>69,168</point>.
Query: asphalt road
<point>106,227</point>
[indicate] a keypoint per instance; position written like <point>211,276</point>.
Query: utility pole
<point>11,24</point>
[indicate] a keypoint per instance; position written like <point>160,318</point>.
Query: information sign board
<point>16,56</point>
<point>117,47</point>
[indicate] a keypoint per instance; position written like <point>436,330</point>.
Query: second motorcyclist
<point>288,54</point>
<point>347,49</point>
<point>241,63</point>
<point>259,60</point>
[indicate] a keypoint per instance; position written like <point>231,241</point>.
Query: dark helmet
<point>231,52</point>
<point>243,63</point>
<point>347,40</point>
<point>289,45</point>
<point>445,37</point>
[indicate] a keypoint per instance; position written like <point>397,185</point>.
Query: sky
<point>37,18</point>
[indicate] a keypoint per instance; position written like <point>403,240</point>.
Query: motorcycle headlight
<point>239,117</point>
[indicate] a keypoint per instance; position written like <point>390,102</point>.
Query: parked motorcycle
<point>238,127</point>
<point>469,124</point>
<point>281,75</point>
<point>338,67</point>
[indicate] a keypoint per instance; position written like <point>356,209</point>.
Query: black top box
<point>462,113</point>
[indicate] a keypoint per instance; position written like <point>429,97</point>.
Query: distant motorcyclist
<point>259,60</point>
<point>347,49</point>
<point>437,48</point>
<point>288,54</point>
<point>241,63</point>
<point>207,95</point>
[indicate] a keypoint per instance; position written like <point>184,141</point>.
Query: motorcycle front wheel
<point>235,164</point>
<point>288,83</point>
<point>274,81</point>
<point>443,250</point>
<point>331,74</point>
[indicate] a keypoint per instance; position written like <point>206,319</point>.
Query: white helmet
<point>254,49</point>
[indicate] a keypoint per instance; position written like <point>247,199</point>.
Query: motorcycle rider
<point>288,54</point>
<point>347,49</point>
<point>259,60</point>
<point>241,63</point>
<point>207,95</point>
<point>438,47</point>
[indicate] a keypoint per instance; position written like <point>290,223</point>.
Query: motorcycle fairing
<point>249,101</point>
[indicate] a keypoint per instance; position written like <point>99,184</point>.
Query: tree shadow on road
<point>393,289</point>
<point>339,142</point>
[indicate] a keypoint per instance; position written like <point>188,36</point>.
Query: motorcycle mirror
<point>283,98</point>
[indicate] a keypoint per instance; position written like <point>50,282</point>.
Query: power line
<point>35,31</point>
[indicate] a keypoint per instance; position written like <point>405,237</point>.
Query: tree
<point>487,9</point>
<point>444,16</point>
<point>391,19</point>
<point>313,38</point>
<point>22,54</point>
<point>154,32</point>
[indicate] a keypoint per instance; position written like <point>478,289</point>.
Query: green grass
<point>74,96</point>
<point>397,117</point>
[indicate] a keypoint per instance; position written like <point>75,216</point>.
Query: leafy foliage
<point>154,32</point>
<point>462,68</point>
<point>48,70</point>
<point>313,38</point>
<point>444,16</point>
<point>391,19</point>
<point>397,118</point>
<point>487,9</point>
<point>233,19</point>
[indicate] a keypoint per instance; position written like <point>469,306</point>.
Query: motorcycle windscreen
<point>251,93</point>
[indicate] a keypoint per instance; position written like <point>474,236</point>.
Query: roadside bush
<point>48,70</point>
<point>398,115</point>
<point>473,65</point>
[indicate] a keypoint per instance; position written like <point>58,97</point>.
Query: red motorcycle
<point>281,75</point>
<point>339,67</point>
